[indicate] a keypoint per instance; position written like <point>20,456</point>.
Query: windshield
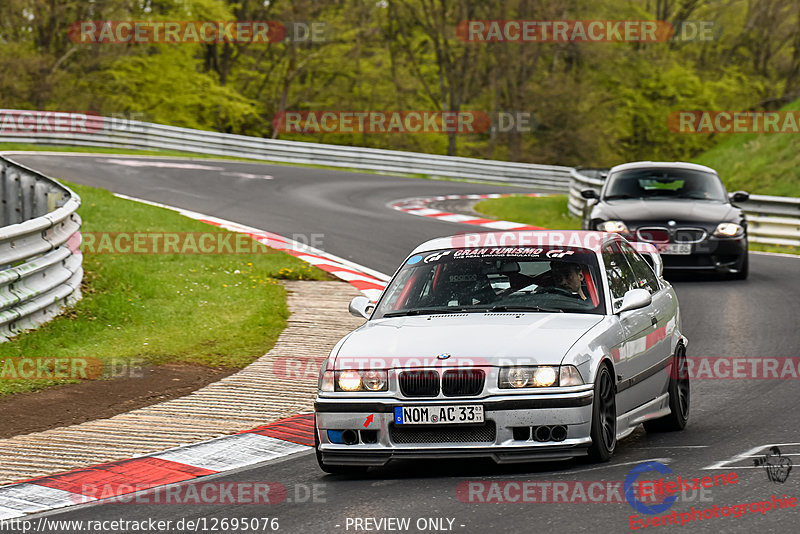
<point>665,183</point>
<point>495,279</point>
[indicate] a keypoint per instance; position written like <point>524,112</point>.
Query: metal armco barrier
<point>96,131</point>
<point>773,220</point>
<point>770,220</point>
<point>40,259</point>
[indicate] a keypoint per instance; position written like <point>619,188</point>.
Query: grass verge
<point>216,310</point>
<point>551,212</point>
<point>547,212</point>
<point>763,164</point>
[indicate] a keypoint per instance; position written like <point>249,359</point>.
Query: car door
<point>663,314</point>
<point>632,356</point>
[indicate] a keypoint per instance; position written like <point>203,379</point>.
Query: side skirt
<point>627,423</point>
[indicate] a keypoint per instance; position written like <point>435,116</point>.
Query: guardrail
<point>40,258</point>
<point>773,220</point>
<point>770,220</point>
<point>96,131</point>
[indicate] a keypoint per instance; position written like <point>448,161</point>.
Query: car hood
<point>680,211</point>
<point>469,339</point>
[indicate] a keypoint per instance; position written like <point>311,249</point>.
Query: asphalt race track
<point>755,318</point>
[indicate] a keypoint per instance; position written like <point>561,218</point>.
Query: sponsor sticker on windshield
<point>528,252</point>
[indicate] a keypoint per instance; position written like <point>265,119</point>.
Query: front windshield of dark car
<point>514,279</point>
<point>665,183</point>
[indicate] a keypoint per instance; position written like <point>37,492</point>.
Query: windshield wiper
<point>424,311</point>
<point>523,309</point>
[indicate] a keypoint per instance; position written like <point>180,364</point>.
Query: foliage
<point>594,103</point>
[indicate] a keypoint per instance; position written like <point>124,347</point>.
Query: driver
<point>568,276</point>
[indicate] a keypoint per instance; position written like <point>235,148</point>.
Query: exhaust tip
<point>542,433</point>
<point>559,433</point>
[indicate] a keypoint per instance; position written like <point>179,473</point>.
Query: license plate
<point>435,415</point>
<point>681,249</point>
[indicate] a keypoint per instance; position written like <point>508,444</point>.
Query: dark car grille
<point>661,234</point>
<point>485,433</point>
<point>462,382</point>
<point>419,383</point>
<point>689,235</point>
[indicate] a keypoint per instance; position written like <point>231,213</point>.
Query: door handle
<point>653,320</point>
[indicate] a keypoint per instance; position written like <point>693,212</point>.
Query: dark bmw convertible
<point>682,208</point>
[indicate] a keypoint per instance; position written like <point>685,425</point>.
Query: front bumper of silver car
<point>516,428</point>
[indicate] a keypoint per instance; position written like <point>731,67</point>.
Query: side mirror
<point>361,307</point>
<point>635,299</point>
<point>589,194</point>
<point>740,196</point>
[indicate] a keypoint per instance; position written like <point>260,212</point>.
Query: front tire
<point>679,398</point>
<point>604,417</point>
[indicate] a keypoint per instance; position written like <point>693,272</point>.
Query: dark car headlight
<point>728,229</point>
<point>613,226</point>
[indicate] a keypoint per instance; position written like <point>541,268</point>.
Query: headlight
<point>526,377</point>
<point>540,376</point>
<point>516,377</point>
<point>326,381</point>
<point>728,230</point>
<point>613,226</point>
<point>544,377</point>
<point>351,380</point>
<point>374,380</point>
<point>569,376</point>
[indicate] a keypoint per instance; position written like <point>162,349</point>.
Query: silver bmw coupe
<point>516,346</point>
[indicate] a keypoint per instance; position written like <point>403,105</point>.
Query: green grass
<point>781,249</point>
<point>220,310</point>
<point>547,212</point>
<point>763,164</point>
